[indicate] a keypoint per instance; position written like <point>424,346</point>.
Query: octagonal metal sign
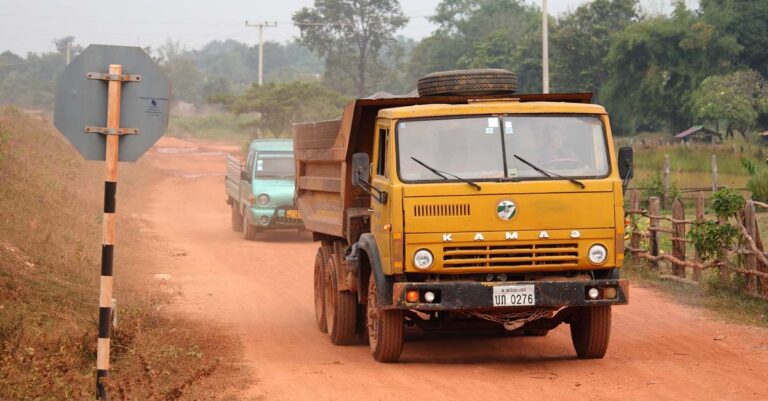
<point>82,102</point>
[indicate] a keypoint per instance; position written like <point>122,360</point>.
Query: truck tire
<point>237,218</point>
<point>320,291</point>
<point>385,328</point>
<point>468,82</point>
<point>249,230</point>
<point>591,331</point>
<point>340,307</point>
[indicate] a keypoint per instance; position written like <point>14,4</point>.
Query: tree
<point>736,98</point>
<point>282,104</point>
<point>181,69</point>
<point>654,66</point>
<point>581,41</point>
<point>745,20</point>
<point>349,35</point>
<point>483,34</point>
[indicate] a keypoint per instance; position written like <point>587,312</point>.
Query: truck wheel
<point>535,332</point>
<point>320,291</point>
<point>237,219</point>
<point>385,328</point>
<point>468,82</point>
<point>591,331</point>
<point>249,230</point>
<point>340,307</point>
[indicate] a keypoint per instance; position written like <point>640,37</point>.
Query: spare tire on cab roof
<point>468,82</point>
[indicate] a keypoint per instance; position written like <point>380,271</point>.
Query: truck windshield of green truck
<point>275,165</point>
<point>476,147</point>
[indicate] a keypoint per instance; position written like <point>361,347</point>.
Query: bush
<point>758,185</point>
<point>655,187</point>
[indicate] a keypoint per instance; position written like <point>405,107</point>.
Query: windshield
<point>274,165</point>
<point>485,147</point>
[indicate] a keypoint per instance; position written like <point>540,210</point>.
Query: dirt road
<point>263,290</point>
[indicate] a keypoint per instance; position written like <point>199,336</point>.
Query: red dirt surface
<point>262,289</point>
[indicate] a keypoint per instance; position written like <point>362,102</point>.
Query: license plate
<point>293,214</point>
<point>514,295</point>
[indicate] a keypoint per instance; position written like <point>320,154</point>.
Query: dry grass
<point>50,235</point>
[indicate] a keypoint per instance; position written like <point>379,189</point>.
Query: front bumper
<point>276,218</point>
<point>472,295</point>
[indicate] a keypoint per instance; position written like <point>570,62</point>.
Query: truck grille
<point>529,255</point>
<point>441,210</point>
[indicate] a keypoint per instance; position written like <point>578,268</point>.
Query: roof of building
<point>696,129</point>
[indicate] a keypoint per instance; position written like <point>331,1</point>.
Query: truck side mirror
<point>625,163</point>
<point>361,170</point>
<point>244,175</point>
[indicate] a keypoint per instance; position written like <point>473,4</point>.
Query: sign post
<point>80,115</point>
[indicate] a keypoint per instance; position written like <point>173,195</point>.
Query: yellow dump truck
<point>464,210</point>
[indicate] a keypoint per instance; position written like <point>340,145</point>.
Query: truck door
<point>381,224</point>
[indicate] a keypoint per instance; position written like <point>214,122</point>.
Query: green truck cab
<point>261,190</point>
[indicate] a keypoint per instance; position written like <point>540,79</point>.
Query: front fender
<point>384,283</point>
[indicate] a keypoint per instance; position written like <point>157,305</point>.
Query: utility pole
<point>69,52</point>
<point>544,47</point>
<point>261,26</point>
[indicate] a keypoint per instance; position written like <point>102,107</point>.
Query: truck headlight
<point>423,259</point>
<point>263,199</point>
<point>597,254</point>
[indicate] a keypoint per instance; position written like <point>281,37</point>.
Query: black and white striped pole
<point>82,89</point>
<point>112,132</point>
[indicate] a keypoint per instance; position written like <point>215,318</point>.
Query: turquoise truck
<point>261,190</point>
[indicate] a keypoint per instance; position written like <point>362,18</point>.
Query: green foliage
<point>758,185</point>
<point>727,202</point>
<point>350,35</point>
<point>749,165</point>
<point>744,20</point>
<point>656,63</point>
<point>281,105</point>
<point>654,186</point>
<point>484,34</point>
<point>581,41</point>
<point>711,239</point>
<point>736,98</point>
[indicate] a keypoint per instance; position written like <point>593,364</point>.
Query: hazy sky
<point>31,25</point>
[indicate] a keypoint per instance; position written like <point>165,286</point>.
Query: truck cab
<point>261,190</point>
<point>502,213</point>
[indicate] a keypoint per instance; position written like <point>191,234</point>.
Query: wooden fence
<point>648,228</point>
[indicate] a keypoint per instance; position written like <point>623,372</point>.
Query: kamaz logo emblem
<point>506,210</point>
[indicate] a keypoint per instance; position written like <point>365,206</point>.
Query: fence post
<point>634,205</point>
<point>678,241</point>
<point>714,173</point>
<point>665,194</point>
<point>699,218</point>
<point>653,212</point>
<point>750,262</point>
<point>721,264</point>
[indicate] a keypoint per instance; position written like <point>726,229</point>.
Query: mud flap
<point>384,283</point>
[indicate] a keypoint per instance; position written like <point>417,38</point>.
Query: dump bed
<point>328,203</point>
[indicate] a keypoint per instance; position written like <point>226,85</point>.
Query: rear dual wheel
<point>340,306</point>
<point>320,291</point>
<point>237,218</point>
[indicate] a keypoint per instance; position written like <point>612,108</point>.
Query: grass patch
<point>50,236</point>
<point>726,301</point>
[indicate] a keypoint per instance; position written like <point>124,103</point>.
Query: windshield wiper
<point>440,173</point>
<point>549,173</point>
